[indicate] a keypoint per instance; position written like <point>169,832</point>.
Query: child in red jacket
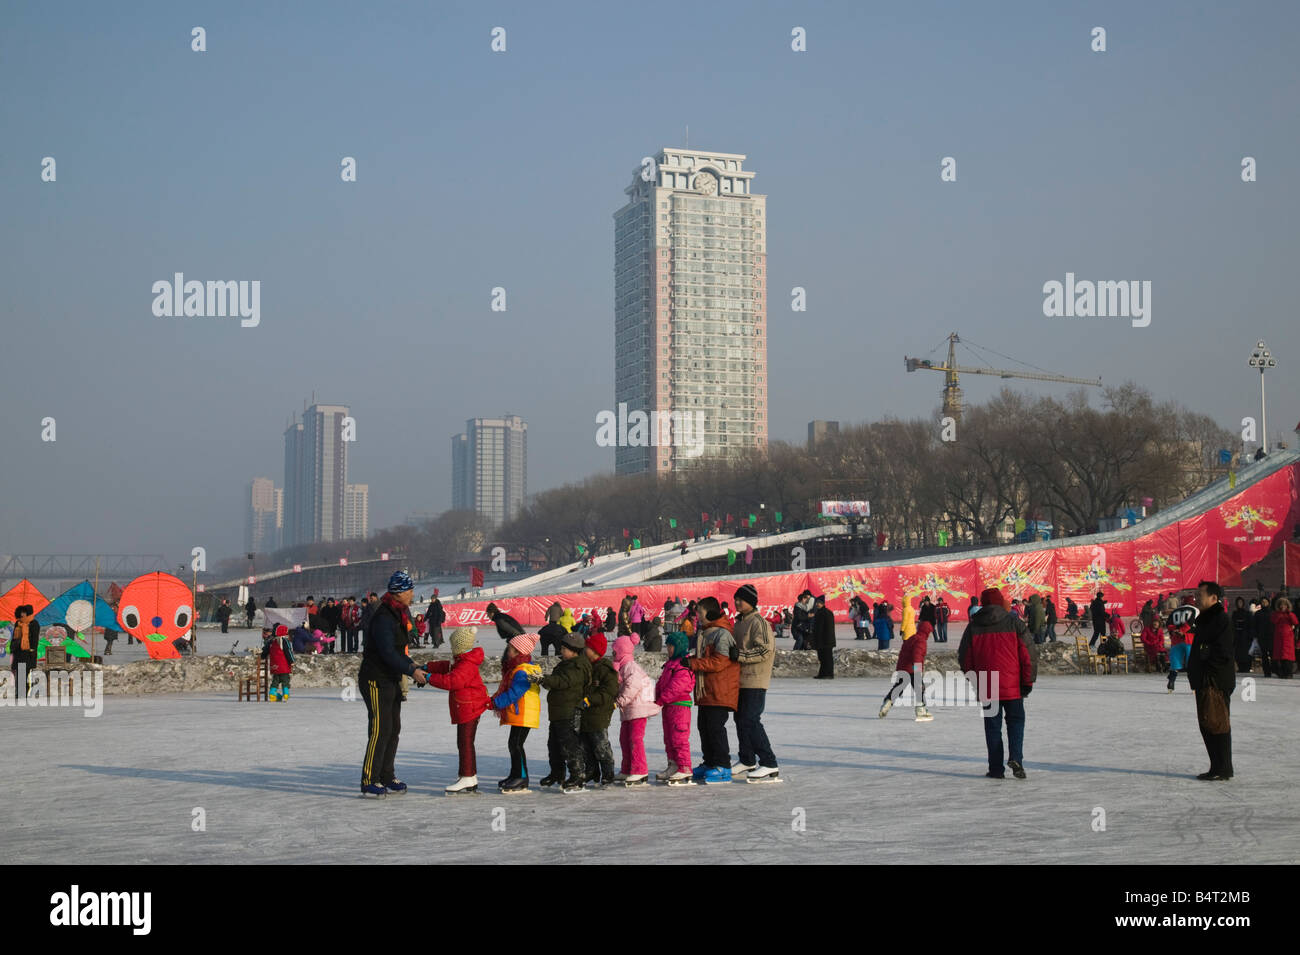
<point>1153,643</point>
<point>468,700</point>
<point>280,651</point>
<point>911,661</point>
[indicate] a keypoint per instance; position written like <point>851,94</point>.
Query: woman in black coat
<point>823,639</point>
<point>1210,666</point>
<point>27,634</point>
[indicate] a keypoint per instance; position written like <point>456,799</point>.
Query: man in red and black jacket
<point>996,648</point>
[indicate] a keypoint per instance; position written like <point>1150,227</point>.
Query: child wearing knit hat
<point>519,704</point>
<point>279,650</point>
<point>636,704</point>
<point>602,693</point>
<point>566,695</point>
<point>467,698</point>
<point>674,692</point>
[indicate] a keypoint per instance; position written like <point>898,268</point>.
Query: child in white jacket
<point>636,704</point>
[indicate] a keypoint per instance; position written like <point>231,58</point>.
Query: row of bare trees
<point>1064,462</point>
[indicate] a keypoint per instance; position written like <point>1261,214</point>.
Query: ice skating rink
<point>1110,760</point>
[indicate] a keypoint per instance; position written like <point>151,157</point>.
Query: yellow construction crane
<point>951,390</point>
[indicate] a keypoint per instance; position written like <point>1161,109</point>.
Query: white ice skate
<point>764,774</point>
<point>885,707</point>
<point>923,715</point>
<point>464,785</point>
<point>740,768</point>
<point>679,778</point>
<point>635,779</point>
<point>663,774</point>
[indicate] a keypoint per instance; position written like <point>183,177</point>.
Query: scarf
<point>20,634</point>
<point>397,607</point>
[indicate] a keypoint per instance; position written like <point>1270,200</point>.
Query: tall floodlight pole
<point>1262,358</point>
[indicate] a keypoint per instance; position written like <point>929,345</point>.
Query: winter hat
<point>992,597</point>
<point>623,649</point>
<point>575,641</point>
<point>462,638</point>
<point>747,593</point>
<point>524,644</point>
<point>678,643</point>
<point>400,582</point>
<point>598,643</point>
<point>281,630</point>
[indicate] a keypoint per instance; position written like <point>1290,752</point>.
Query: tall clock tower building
<point>690,305</point>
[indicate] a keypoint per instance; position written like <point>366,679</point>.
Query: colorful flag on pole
<point>636,543</point>
<point>728,518</point>
<point>753,519</point>
<point>731,556</point>
<point>943,538</point>
<point>1020,525</point>
<point>778,517</point>
<point>476,577</point>
<point>581,550</point>
<point>672,522</point>
<point>1232,479</point>
<point>749,554</point>
<point>625,533</point>
<point>704,517</point>
<point>1225,456</point>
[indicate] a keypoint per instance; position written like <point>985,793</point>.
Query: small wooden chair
<point>256,686</point>
<point>1084,655</point>
<point>1072,628</point>
<point>1139,654</point>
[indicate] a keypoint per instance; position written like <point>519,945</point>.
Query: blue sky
<point>479,169</point>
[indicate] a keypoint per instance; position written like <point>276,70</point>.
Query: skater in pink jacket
<point>675,692</point>
<point>636,704</point>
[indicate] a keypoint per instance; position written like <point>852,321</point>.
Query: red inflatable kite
<point>155,609</point>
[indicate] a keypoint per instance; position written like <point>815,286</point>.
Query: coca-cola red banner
<point>1215,544</point>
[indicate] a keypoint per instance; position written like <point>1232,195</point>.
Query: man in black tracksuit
<point>383,664</point>
<point>1211,666</point>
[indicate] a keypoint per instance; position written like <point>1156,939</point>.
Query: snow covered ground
<point>278,783</point>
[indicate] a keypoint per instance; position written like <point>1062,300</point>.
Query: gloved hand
<point>536,678</point>
<point>1026,689</point>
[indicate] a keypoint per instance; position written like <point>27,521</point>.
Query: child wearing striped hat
<point>518,704</point>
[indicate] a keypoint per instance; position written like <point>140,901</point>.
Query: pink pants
<point>631,739</point>
<point>677,735</point>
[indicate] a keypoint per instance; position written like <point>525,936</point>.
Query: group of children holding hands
<point>582,693</point>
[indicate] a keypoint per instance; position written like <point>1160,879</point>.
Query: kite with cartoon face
<point>155,609</point>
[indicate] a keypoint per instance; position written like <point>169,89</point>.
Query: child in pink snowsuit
<point>636,704</point>
<point>675,692</point>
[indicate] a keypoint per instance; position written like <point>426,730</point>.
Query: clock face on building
<point>706,183</point>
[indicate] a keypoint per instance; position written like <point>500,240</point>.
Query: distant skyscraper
<point>356,511</point>
<point>489,465</point>
<point>260,534</point>
<point>690,304</point>
<point>817,430</point>
<point>315,475</point>
<point>296,497</point>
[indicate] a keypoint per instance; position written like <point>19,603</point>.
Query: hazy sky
<point>479,169</point>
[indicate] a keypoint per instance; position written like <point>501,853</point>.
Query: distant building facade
<point>489,463</point>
